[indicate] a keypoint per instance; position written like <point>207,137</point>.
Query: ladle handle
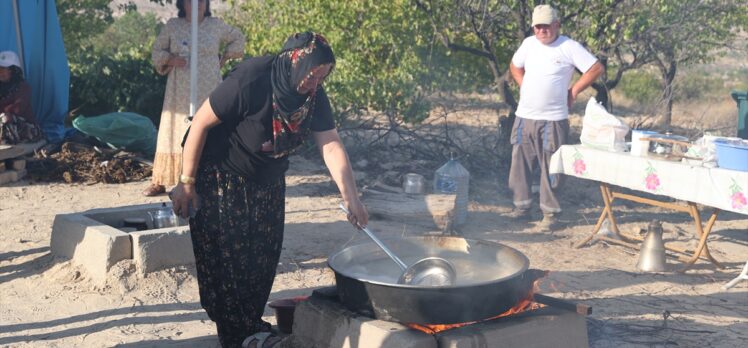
<point>376,240</point>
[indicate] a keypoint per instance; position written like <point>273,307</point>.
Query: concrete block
<point>18,164</point>
<point>94,239</point>
<point>544,327</point>
<point>153,250</point>
<point>115,216</point>
<point>320,323</point>
<point>9,176</point>
<point>89,243</point>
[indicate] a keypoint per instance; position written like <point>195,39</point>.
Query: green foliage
<point>112,71</point>
<point>132,34</point>
<point>386,59</point>
<point>100,84</point>
<point>80,18</point>
<point>641,87</point>
<point>697,85</point>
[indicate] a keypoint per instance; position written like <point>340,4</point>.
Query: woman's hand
<point>357,214</point>
<point>184,196</point>
<point>177,61</point>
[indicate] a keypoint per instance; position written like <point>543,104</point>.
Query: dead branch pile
<point>390,148</point>
<point>78,163</point>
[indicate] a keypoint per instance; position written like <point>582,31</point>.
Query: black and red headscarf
<point>291,110</point>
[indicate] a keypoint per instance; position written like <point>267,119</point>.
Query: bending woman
<point>235,158</point>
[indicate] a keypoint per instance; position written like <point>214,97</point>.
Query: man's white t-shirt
<point>548,72</point>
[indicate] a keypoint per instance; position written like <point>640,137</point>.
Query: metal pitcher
<point>652,253</point>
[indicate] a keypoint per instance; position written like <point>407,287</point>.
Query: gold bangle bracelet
<point>187,180</point>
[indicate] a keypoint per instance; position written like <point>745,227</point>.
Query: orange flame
<point>525,304</point>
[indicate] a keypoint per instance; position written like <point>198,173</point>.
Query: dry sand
<point>48,302</point>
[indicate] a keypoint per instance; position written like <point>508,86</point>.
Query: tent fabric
<point>44,59</point>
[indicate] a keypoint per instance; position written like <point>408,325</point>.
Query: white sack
<point>602,130</point>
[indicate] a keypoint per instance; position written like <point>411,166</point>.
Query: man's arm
<point>585,81</point>
<point>517,73</point>
<point>339,166</point>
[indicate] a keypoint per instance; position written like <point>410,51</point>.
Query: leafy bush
<point>105,84</point>
<point>112,71</point>
<point>641,87</point>
<point>387,59</point>
<point>80,18</point>
<point>698,85</point>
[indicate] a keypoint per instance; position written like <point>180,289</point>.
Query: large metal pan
<point>491,279</point>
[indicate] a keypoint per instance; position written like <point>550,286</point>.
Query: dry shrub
<point>77,163</point>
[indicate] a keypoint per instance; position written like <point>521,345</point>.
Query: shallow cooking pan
<point>491,279</point>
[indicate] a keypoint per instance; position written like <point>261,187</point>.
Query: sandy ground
<point>48,302</point>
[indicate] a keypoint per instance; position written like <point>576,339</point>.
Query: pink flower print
<point>652,182</point>
<point>738,200</point>
<point>579,167</point>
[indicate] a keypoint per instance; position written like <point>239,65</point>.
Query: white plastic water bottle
<point>453,178</point>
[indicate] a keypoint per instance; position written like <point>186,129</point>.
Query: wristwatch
<point>187,180</point>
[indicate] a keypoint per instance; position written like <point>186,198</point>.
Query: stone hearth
<point>321,322</point>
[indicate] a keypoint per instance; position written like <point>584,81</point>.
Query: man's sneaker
<point>549,223</point>
<point>519,214</point>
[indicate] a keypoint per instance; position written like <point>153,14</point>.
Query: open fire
<point>524,305</point>
<point>536,321</point>
<point>527,303</point>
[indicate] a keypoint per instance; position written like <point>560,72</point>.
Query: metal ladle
<point>429,271</point>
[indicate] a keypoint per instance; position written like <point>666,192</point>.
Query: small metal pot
<point>163,217</point>
<point>414,183</point>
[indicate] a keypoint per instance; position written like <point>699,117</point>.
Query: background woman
<point>170,56</point>
<point>17,122</point>
<point>235,157</point>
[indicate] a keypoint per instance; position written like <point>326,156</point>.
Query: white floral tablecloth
<point>715,187</point>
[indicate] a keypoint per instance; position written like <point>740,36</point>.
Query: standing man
<point>542,67</point>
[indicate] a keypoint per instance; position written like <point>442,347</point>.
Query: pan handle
<point>376,240</point>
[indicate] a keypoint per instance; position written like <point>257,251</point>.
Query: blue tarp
<point>44,59</point>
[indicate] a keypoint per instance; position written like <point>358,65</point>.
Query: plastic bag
<point>705,150</point>
<point>602,130</point>
<point>120,130</point>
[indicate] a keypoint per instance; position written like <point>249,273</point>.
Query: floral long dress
<point>174,40</point>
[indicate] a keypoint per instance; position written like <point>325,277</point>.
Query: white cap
<point>9,58</point>
<point>544,14</point>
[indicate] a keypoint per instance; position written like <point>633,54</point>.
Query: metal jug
<point>163,217</point>
<point>652,253</point>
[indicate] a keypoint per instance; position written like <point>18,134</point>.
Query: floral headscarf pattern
<point>291,125</point>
